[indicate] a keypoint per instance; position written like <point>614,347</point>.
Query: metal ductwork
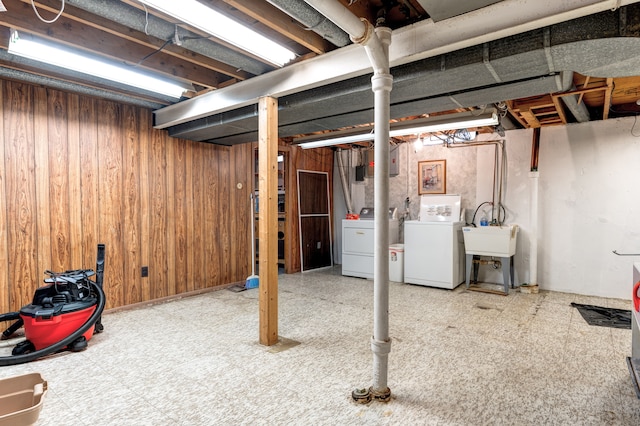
<point>439,10</point>
<point>39,80</point>
<point>523,65</point>
<point>313,20</point>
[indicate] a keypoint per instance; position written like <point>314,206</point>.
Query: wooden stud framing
<point>268,218</point>
<point>584,86</point>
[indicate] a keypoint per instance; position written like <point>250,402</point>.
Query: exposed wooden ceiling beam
<point>529,118</point>
<point>279,21</point>
<point>580,91</point>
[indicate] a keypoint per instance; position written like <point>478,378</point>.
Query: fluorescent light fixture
<point>204,18</point>
<point>337,140</point>
<point>32,48</point>
<point>440,123</point>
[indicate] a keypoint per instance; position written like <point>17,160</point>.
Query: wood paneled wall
<point>77,171</point>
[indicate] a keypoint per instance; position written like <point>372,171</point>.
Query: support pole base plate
<point>382,396</point>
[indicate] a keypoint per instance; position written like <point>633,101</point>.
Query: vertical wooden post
<point>268,218</point>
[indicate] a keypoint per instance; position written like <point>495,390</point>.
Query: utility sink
<point>497,241</point>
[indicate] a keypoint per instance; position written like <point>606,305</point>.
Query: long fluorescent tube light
<point>204,18</point>
<point>338,140</point>
<point>29,47</point>
<point>440,123</point>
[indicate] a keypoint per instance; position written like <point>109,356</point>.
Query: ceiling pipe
<point>534,177</point>
<point>376,44</point>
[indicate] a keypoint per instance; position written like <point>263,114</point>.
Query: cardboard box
<point>21,399</point>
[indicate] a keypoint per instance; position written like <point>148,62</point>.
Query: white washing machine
<point>434,254</point>
<point>358,243</point>
<point>434,245</point>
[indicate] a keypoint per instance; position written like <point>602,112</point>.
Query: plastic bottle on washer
<point>483,220</point>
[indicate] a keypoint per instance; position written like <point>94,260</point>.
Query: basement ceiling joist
<point>125,31</point>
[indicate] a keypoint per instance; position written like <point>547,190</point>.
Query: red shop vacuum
<point>64,314</point>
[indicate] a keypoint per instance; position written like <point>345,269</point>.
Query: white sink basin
<point>497,241</point>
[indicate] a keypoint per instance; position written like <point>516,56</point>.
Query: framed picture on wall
<point>432,177</point>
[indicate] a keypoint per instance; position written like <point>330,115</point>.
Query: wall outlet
<point>145,271</point>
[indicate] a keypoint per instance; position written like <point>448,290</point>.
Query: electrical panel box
<point>394,162</point>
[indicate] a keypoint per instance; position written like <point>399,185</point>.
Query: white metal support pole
<point>381,84</point>
<point>376,44</point>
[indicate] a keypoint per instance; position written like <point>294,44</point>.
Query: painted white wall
<point>589,204</point>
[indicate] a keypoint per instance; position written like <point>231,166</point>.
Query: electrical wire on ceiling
<point>146,19</point>
<point>158,50</point>
<point>176,40</point>
<point>480,110</point>
<point>33,5</point>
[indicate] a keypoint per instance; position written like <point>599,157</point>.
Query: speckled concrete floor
<point>457,358</point>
